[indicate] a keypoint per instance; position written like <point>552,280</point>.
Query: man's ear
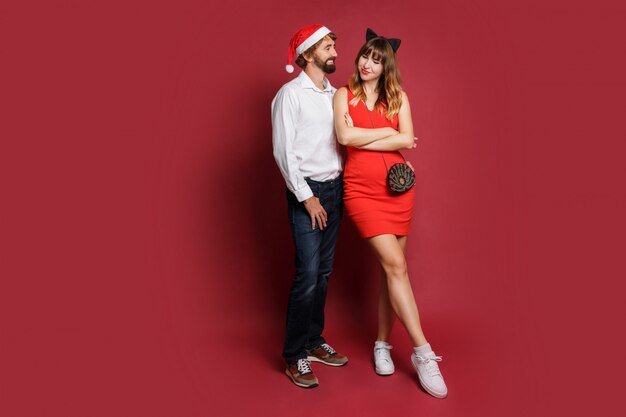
<point>307,57</point>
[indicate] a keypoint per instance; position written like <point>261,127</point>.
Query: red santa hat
<point>304,38</point>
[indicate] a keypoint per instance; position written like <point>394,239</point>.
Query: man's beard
<point>324,65</point>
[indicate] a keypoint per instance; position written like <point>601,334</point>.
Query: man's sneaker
<point>301,374</point>
<point>326,355</point>
<point>429,374</point>
<point>382,358</point>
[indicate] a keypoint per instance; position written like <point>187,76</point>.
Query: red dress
<point>373,208</point>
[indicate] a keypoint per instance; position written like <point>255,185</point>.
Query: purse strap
<point>369,113</point>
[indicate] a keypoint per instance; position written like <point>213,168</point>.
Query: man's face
<point>325,55</point>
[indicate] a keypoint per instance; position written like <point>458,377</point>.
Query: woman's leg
<point>386,315</point>
<point>389,250</point>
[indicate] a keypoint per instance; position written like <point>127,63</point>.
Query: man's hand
<point>316,211</point>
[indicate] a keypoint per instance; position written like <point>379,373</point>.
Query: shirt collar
<point>306,82</point>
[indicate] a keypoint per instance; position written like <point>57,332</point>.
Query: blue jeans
<point>315,250</point>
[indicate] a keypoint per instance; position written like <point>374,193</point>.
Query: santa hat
<point>304,38</point>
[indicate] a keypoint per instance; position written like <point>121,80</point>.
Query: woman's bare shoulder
<point>342,90</point>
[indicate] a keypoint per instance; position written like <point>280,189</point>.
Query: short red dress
<point>374,209</point>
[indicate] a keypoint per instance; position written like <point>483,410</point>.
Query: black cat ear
<point>370,34</point>
<point>395,43</point>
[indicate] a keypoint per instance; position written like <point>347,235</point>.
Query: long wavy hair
<point>389,88</point>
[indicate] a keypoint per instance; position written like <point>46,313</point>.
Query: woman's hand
<point>348,119</point>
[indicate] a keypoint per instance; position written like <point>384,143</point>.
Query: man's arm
<point>284,118</point>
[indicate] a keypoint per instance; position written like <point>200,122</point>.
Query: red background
<point>146,256</point>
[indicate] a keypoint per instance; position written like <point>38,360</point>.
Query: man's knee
<point>306,275</point>
<point>304,284</point>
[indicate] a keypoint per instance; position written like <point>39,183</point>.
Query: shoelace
<point>382,353</point>
<point>304,366</point>
<point>328,349</point>
<point>431,364</point>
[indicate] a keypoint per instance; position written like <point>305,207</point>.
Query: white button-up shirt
<point>303,134</point>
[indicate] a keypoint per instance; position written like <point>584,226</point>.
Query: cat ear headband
<point>394,42</point>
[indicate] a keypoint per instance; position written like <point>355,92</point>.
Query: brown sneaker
<point>327,355</point>
<point>301,374</point>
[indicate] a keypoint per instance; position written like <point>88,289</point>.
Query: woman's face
<point>369,68</point>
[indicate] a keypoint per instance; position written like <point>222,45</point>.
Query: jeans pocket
<point>296,211</point>
<point>315,188</point>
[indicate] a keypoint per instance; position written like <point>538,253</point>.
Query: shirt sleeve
<point>284,120</point>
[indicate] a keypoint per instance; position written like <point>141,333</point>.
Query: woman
<point>373,121</point>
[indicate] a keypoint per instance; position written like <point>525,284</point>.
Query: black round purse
<point>400,177</point>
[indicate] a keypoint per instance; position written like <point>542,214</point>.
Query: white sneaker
<point>382,358</point>
<point>429,373</point>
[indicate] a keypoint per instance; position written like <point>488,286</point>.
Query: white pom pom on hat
<point>304,38</point>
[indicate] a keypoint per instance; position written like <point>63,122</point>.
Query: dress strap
<point>350,95</point>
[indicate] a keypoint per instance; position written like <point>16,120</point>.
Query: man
<point>307,154</point>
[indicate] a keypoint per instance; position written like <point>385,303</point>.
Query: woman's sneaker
<point>429,374</point>
<point>382,358</point>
